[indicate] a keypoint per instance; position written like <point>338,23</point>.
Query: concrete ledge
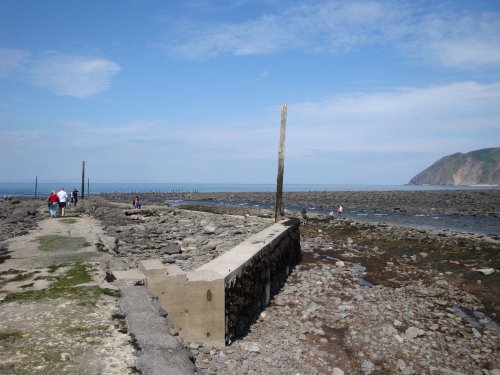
<point>131,275</point>
<point>160,353</point>
<point>230,264</point>
<point>218,301</point>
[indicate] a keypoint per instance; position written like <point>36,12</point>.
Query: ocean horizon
<point>29,189</point>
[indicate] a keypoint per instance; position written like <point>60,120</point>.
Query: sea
<point>30,189</point>
<point>485,225</point>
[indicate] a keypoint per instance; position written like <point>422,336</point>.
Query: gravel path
<point>46,327</point>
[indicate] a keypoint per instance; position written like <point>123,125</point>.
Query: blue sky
<point>190,91</point>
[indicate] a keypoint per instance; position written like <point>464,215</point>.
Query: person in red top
<point>136,202</point>
<point>53,201</point>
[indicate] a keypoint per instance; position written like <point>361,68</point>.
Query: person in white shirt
<point>62,200</point>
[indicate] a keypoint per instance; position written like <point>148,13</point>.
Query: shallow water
<point>455,223</point>
<point>486,225</point>
<point>44,188</point>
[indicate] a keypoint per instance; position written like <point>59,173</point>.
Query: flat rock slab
<point>139,211</point>
<point>161,353</point>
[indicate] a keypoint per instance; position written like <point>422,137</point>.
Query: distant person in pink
<point>136,202</point>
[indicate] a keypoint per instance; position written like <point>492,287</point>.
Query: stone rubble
<point>330,317</point>
<point>187,238</point>
<point>324,322</point>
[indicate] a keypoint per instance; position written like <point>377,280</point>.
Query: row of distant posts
<point>279,179</point>
<point>82,192</point>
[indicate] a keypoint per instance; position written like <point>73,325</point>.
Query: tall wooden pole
<point>36,185</point>
<point>83,179</point>
<point>281,166</point>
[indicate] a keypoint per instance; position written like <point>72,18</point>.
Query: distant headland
<point>480,167</point>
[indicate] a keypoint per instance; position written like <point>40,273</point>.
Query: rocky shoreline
<point>462,202</point>
<point>366,299</point>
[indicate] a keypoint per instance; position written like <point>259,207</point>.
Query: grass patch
<point>55,242</point>
<point>69,214</point>
<point>47,278</point>
<point>74,276</point>
<point>66,285</point>
<point>110,292</point>
<point>54,267</point>
<point>68,220</point>
<point>22,277</point>
<point>10,336</point>
<point>51,242</point>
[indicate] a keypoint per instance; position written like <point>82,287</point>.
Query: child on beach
<point>136,202</point>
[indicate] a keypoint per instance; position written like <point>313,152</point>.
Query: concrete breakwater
<point>218,301</point>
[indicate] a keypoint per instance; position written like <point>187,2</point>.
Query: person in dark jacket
<point>74,196</point>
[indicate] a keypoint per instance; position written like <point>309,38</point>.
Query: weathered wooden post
<point>36,185</point>
<point>83,179</point>
<point>281,166</point>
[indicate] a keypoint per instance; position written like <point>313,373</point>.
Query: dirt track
<point>48,326</point>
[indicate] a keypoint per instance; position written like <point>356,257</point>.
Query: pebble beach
<point>366,299</point>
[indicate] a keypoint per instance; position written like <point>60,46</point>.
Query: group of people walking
<point>58,200</point>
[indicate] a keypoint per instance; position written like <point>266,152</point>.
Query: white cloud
<point>327,26</point>
<point>438,33</point>
<point>75,124</point>
<point>401,120</point>
<point>61,73</point>
<point>11,61</point>
<point>20,137</point>
<point>454,39</point>
<point>429,119</point>
<point>72,75</point>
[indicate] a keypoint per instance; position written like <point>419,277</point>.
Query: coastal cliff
<point>480,167</point>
